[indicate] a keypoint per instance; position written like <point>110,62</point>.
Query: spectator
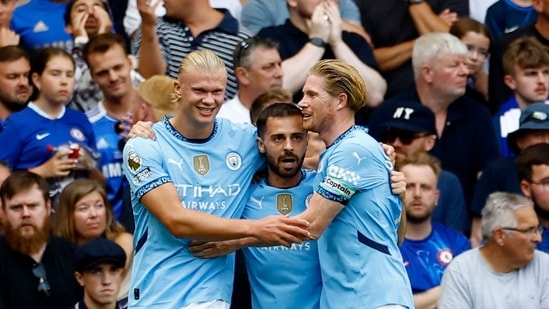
<point>36,269</point>
<point>497,89</point>
<point>43,147</point>
<point>394,25</point>
<point>191,25</point>
<point>533,173</point>
<point>500,174</point>
<point>466,138</point>
<point>85,19</point>
<point>506,16</point>
<point>508,271</point>
<point>428,247</point>
<point>313,32</point>
<point>99,270</point>
<point>195,142</point>
<point>38,30</point>
<point>526,67</point>
<point>259,14</point>
<point>14,81</point>
<point>8,37</point>
<point>410,129</point>
<point>132,19</point>
<point>257,69</point>
<point>84,213</point>
<point>110,68</point>
<point>477,39</point>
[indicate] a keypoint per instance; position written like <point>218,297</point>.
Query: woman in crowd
<point>84,213</point>
<point>476,36</point>
<point>46,137</point>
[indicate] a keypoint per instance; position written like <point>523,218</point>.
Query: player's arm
<point>212,249</point>
<point>320,213</point>
<point>164,203</point>
<point>427,299</point>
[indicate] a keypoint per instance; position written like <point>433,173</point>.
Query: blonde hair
<point>202,60</point>
<point>341,77</point>
<point>71,194</point>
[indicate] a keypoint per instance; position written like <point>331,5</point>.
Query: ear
<point>342,101</point>
<point>429,143</point>
<point>260,145</point>
<point>498,237</point>
<point>426,74</point>
<point>525,187</point>
<point>509,82</point>
<point>79,279</point>
<point>36,80</point>
<point>437,195</point>
<point>48,207</point>
<point>241,75</point>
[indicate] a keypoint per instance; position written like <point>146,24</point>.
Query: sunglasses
<point>39,272</point>
<point>405,137</point>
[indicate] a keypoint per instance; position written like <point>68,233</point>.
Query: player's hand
<point>398,182</point>
<point>212,249</point>
<point>280,230</point>
<point>390,152</point>
<point>142,129</point>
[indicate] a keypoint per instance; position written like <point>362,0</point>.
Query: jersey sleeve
<point>353,168</point>
<point>143,166</point>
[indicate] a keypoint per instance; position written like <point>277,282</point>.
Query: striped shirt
<point>176,41</point>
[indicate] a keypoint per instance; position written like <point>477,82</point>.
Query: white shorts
<point>216,304</point>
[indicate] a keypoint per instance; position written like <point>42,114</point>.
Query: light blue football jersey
<point>212,176</point>
<point>359,257</point>
<point>283,277</point>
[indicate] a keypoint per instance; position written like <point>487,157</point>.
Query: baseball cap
<point>533,117</point>
<point>97,251</point>
<point>158,92</point>
<point>412,116</point>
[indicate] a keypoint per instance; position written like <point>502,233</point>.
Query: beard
<point>27,245</point>
<point>14,106</point>
<point>418,218</point>
<point>285,173</point>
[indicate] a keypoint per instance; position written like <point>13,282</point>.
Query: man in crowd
<point>37,268</point>
<point>508,271</point>
<point>533,173</point>
<point>14,81</point>
<point>99,267</point>
<point>429,246</point>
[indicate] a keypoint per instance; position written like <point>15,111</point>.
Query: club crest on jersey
<point>233,161</point>
<point>308,200</point>
<point>201,164</point>
<point>284,203</point>
<point>77,134</point>
<point>445,256</point>
<point>134,161</point>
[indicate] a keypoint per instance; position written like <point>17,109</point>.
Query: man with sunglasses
<point>500,174</point>
<point>466,137</point>
<point>410,129</point>
<point>508,271</point>
<point>37,268</point>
